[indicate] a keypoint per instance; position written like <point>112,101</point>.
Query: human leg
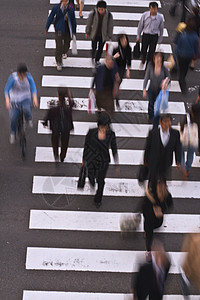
<point>55,144</point>
<point>173,8</point>
<point>27,109</point>
<point>64,145</point>
<point>190,157</point>
<point>94,47</point>
<point>100,176</point>
<point>145,45</point>
<point>14,115</point>
<point>152,98</point>
<point>183,65</point>
<point>81,8</point>
<point>67,40</point>
<point>153,39</point>
<point>59,48</point>
<point>99,49</point>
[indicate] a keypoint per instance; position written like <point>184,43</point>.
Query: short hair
<point>22,68</point>
<point>104,119</point>
<point>153,4</point>
<point>101,4</point>
<point>165,116</point>
<point>63,92</point>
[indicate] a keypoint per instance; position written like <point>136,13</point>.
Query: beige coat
<point>107,25</point>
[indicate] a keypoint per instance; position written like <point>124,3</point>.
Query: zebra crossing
<point>40,258</point>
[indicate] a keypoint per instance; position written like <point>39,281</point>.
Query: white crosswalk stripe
<point>104,221</point>
<point>86,45</point>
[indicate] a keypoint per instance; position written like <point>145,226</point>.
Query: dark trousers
<point>148,41</point>
<point>150,223</point>
<point>64,137</point>
<point>97,54</point>
<point>99,174</point>
<point>152,95</point>
<point>62,44</point>
<point>174,6</point>
<point>183,65</point>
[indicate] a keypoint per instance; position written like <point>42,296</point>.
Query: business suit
<point>147,282</point>
<point>159,158</point>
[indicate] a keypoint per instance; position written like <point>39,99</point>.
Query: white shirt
<point>164,135</point>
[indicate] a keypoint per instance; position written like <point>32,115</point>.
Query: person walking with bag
<point>156,72</point>
<point>190,141</point>
<point>152,26</point>
<point>122,57</point>
<point>99,28</point>
<point>96,155</point>
<point>63,18</point>
<point>61,124</point>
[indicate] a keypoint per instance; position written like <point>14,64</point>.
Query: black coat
<point>124,59</point>
<point>156,157</point>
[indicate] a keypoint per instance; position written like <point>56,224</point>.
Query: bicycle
<point>21,133</point>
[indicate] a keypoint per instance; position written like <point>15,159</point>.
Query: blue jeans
<point>152,98</point>
<point>190,157</point>
<point>14,113</point>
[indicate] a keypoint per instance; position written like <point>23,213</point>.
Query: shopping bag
<point>82,176</point>
<point>91,102</point>
<point>161,103</point>
<point>109,48</point>
<point>74,46</point>
<point>136,50</point>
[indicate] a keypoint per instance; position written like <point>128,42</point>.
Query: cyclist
<point>18,91</point>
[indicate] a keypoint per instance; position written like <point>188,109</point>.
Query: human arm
<point>110,26</point>
<point>128,62</point>
<point>7,89</point>
<point>161,29</point>
<point>146,78</point>
<point>72,20</point>
<point>140,28</point>
<point>89,22</point>
<point>51,18</point>
<point>33,89</point>
<point>147,149</point>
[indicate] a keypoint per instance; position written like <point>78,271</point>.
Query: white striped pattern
<point>120,187</point>
<point>104,221</point>
<point>59,259</point>
<point>74,155</point>
<point>86,45</point>
<point>54,295</point>
<point>133,106</point>
<point>85,82</point>
<point>116,30</point>
<point>135,3</point>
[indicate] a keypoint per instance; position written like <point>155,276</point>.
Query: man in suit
<point>161,143</point>
<point>152,275</point>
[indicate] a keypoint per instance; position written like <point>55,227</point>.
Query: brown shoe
<point>143,61</point>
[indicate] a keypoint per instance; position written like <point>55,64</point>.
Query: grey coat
<point>107,25</point>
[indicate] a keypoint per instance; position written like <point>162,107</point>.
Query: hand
<point>137,40</point>
<point>83,162</point>
<point>8,104</point>
<point>35,101</point>
<point>128,73</point>
<point>116,55</point>
<point>46,31</point>
<point>144,94</point>
<point>86,35</point>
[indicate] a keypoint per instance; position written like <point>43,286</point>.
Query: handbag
<point>136,50</point>
<point>82,176</point>
<point>161,103</point>
<point>91,102</point>
<point>74,45</point>
<point>189,137</point>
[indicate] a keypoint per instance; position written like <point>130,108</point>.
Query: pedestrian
<point>161,143</point>
<point>152,26</point>
<point>187,48</point>
<point>122,56</point>
<point>189,140</point>
<point>61,124</point>
<point>106,80</point>
<point>63,18</point>
<point>99,28</point>
<point>80,6</point>
<point>196,118</point>
<point>156,72</point>
<point>18,91</point>
<point>173,8</point>
<point>196,17</point>
<point>150,279</point>
<point>154,206</point>
<point>96,155</point>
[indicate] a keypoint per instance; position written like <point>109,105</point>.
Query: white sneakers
<point>64,56</point>
<point>12,138</point>
<point>59,67</point>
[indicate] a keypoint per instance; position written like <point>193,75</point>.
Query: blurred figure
<point>80,6</point>
<point>153,208</point>
<point>190,271</point>
<point>156,72</point>
<point>161,143</point>
<point>122,56</point>
<point>189,140</point>
<point>99,28</point>
<point>152,275</point>
<point>96,155</point>
<point>152,26</point>
<point>184,10</point>
<point>63,18</point>
<point>106,80</point>
<point>61,124</point>
<point>18,91</point>
<point>187,47</point>
<point>196,116</point>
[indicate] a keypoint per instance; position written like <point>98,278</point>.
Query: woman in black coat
<point>153,208</point>
<point>61,124</point>
<point>122,56</point>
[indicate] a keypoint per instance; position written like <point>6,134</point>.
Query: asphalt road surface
<point>53,242</point>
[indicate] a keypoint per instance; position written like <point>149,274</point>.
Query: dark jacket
<point>60,118</point>
<point>187,44</point>
<point>99,76</point>
<point>125,57</point>
<point>57,17</point>
<point>97,151</point>
<point>153,150</point>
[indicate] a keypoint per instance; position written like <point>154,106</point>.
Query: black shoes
<point>97,204</point>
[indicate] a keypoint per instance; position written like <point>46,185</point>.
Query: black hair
<point>165,116</point>
<point>104,119</point>
<point>63,92</point>
<point>191,24</point>
<point>153,4</point>
<point>101,4</point>
<point>22,68</point>
<point>158,53</point>
<point>121,35</point>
